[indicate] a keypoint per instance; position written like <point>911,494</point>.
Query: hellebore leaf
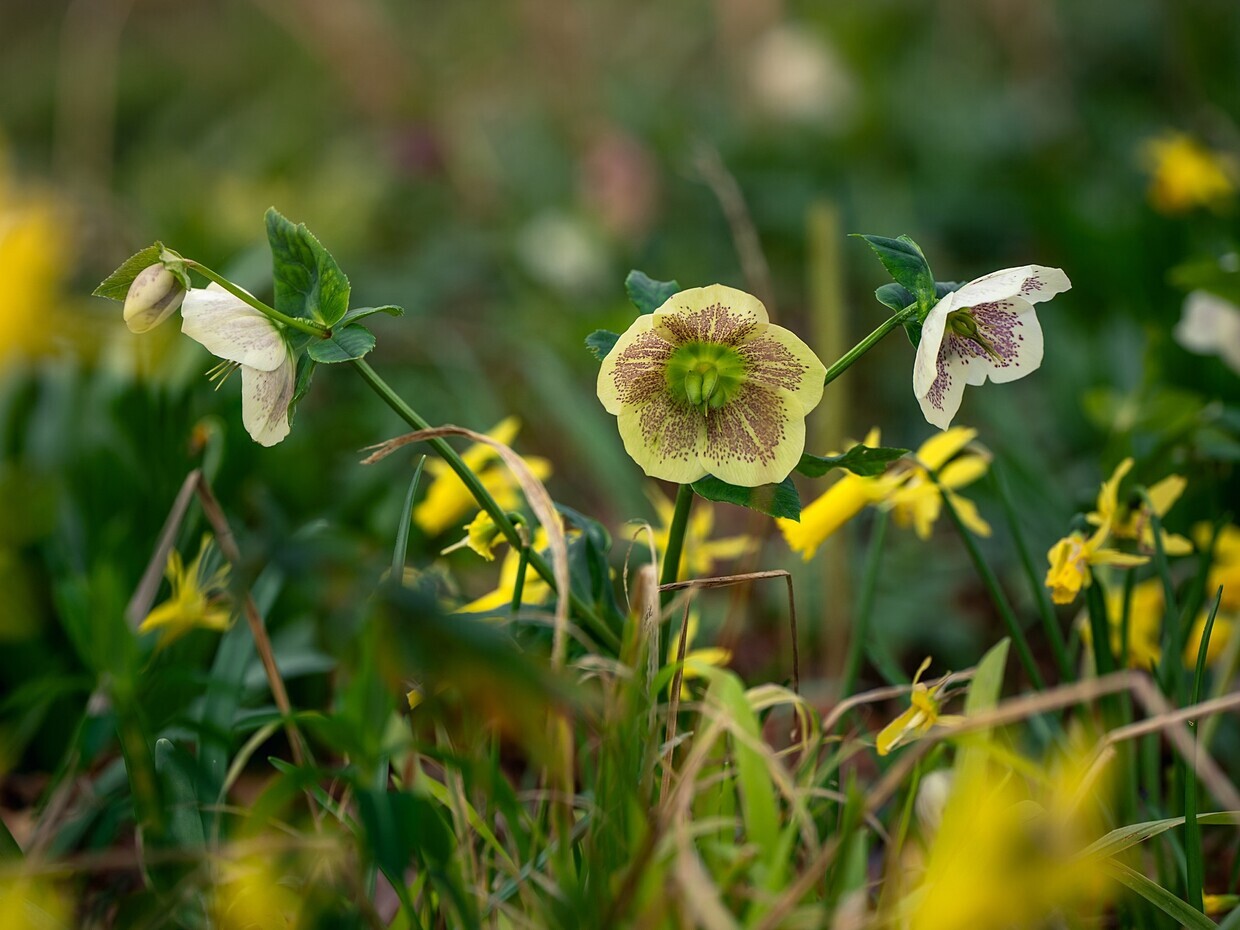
<point>775,500</point>
<point>646,293</point>
<point>862,460</point>
<point>308,282</point>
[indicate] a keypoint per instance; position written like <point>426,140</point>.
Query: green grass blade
<point>865,603</point>
<point>1158,896</point>
<point>1131,835</point>
<point>401,548</point>
<point>1194,868</point>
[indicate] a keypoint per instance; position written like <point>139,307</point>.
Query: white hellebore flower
<point>1210,326</point>
<point>231,329</point>
<point>986,329</point>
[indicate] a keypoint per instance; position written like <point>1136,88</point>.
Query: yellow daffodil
<point>986,329</point>
<point>250,894</point>
<point>1145,617</point>
<point>707,385</point>
<point>700,553</point>
<point>1073,556</point>
<point>1135,522</point>
<point>482,535</point>
<point>198,599</point>
<point>925,705</point>
<point>1225,569</point>
<point>32,902</point>
<point>906,489</point>
<point>533,591</point>
<point>448,501</point>
<point>697,661</point>
<point>1186,175</point>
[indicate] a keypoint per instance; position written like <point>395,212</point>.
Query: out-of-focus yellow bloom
<point>534,590</point>
<point>700,552</point>
<point>1220,636</point>
<point>1216,904</point>
<point>697,661</point>
<point>925,705</point>
<point>1225,569</point>
<point>1072,558</point>
<point>482,535</point>
<point>250,895</point>
<point>1185,174</point>
<point>1136,522</point>
<point>1145,615</point>
<point>906,489</point>
<point>30,902</point>
<point>197,600</point>
<point>447,499</point>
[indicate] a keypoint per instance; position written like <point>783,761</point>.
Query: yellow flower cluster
<point>1184,174</point>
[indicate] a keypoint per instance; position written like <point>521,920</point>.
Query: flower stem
<point>846,360</point>
<point>676,537</point>
<point>865,604</point>
<point>306,326</point>
<point>596,623</point>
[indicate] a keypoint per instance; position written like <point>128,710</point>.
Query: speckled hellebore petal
<point>636,367</point>
<point>756,439</point>
<point>1033,283</point>
<point>777,358</point>
<point>265,397</point>
<point>231,329</point>
<point>941,400</point>
<point>1012,327</point>
<point>664,437</point>
<point>717,313</point>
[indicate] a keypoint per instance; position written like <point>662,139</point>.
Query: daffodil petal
<point>758,438</point>
<point>265,396</point>
<point>936,451</point>
<point>835,507</point>
<point>716,314</point>
<point>1115,557</point>
<point>664,437</point>
<point>963,471</point>
<point>231,329</point>
<point>777,358</point>
<point>1165,493</point>
<point>969,516</point>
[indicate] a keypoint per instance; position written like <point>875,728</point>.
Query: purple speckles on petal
<point>1031,285</point>
<point>640,368</point>
<point>716,323</point>
<point>999,323</point>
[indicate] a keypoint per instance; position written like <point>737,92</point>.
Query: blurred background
<point>497,168</point>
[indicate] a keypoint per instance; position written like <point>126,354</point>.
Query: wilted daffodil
<point>906,489</point>
<point>230,329</point>
<point>1185,174</point>
<point>706,385</point>
<point>198,598</point>
<point>1128,522</point>
<point>986,329</point>
<point>923,713</point>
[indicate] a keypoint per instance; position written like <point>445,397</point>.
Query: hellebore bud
<point>154,294</point>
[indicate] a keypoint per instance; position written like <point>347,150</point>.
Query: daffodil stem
<point>676,538</point>
<point>597,624</point>
<point>305,326</point>
<point>865,604</point>
<point>846,360</point>
<point>996,593</point>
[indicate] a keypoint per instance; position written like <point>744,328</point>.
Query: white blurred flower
<point>794,75</point>
<point>1210,325</point>
<point>561,252</point>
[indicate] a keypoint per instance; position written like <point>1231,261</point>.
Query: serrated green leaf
<point>343,345</point>
<point>775,500</point>
<point>116,285</point>
<point>305,373</point>
<point>906,264</point>
<point>308,282</point>
<point>647,294</point>
<point>866,461</point>
<point>360,313</point>
<point>1158,896</point>
<point>601,342</point>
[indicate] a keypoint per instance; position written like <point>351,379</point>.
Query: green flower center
<point>705,375</point>
<point>964,324</point>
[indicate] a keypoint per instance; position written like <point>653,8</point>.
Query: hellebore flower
<point>198,599</point>
<point>244,338</point>
<point>706,385</point>
<point>985,329</point>
<point>1210,326</point>
<point>153,297</point>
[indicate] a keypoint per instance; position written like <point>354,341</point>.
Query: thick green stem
<point>846,360</point>
<point>676,538</point>
<point>305,326</point>
<point>597,625</point>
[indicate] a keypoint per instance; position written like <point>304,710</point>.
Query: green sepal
<point>305,373</point>
<point>308,282</point>
<point>360,313</point>
<point>601,342</point>
<point>904,261</point>
<point>775,500</point>
<point>866,461</point>
<point>343,345</point>
<point>647,294</point>
<point>116,285</point>
<point>895,296</point>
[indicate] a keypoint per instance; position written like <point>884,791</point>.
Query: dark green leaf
<point>176,776</point>
<point>116,285</point>
<point>912,329</point>
<point>906,264</point>
<point>647,294</point>
<point>1159,896</point>
<point>776,500</point>
<point>360,313</point>
<point>343,345</point>
<point>895,296</point>
<point>305,373</point>
<point>861,460</point>
<point>600,342</point>
<point>308,282</point>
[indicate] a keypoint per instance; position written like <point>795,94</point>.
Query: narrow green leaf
<point>360,313</point>
<point>10,849</point>
<point>116,285</point>
<point>308,282</point>
<point>343,345</point>
<point>601,342</point>
<point>175,770</point>
<point>906,264</point>
<point>647,294</point>
<point>402,530</point>
<point>775,500</point>
<point>305,374</point>
<point>1123,838</point>
<point>1158,896</point>
<point>984,692</point>
<point>863,460</point>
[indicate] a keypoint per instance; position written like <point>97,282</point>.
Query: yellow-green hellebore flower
<point>198,598</point>
<point>153,297</point>
<point>923,713</point>
<point>985,329</point>
<point>232,330</point>
<point>707,385</point>
<point>1135,522</point>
